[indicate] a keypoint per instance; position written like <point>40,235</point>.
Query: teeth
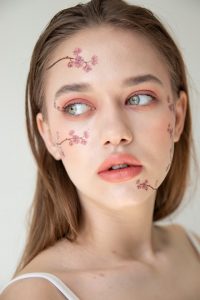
<point>119,167</point>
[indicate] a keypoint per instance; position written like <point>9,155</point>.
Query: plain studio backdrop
<point>21,22</point>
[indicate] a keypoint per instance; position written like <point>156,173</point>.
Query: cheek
<point>156,138</point>
<point>158,127</point>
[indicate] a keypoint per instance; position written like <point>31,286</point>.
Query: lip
<point>119,175</point>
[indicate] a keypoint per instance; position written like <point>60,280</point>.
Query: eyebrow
<point>85,87</point>
<point>142,78</point>
<point>74,87</point>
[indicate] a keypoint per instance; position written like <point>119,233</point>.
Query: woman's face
<point>111,97</point>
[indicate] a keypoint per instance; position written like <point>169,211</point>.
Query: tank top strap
<point>58,283</point>
<point>192,237</point>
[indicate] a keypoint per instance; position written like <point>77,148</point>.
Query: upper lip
<point>118,159</point>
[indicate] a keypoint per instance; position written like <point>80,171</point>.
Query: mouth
<point>119,167</point>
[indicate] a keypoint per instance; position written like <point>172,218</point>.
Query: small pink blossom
<point>77,51</point>
<point>75,139</point>
<point>71,132</point>
<point>94,60</point>
<point>70,64</point>
<point>86,135</point>
<point>87,68</point>
<point>78,61</point>
<point>172,107</point>
<point>170,130</point>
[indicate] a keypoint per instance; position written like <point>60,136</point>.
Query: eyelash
<point>65,107</point>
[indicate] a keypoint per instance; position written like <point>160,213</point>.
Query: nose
<point>116,130</point>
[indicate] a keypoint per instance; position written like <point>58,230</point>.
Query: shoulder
<point>187,238</point>
<point>31,288</point>
<point>184,231</point>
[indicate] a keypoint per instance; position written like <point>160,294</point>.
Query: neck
<point>124,234</point>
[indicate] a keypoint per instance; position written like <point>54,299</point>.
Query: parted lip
<point>118,159</point>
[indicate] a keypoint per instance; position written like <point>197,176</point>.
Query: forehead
<point>120,54</point>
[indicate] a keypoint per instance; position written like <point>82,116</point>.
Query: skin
<point>114,127</point>
<point>119,250</point>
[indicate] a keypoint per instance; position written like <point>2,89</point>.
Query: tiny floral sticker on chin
<point>78,61</point>
<point>144,185</point>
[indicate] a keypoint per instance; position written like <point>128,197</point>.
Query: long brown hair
<point>56,210</point>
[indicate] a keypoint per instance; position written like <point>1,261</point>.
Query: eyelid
<point>76,101</point>
<point>64,103</point>
<point>143,92</point>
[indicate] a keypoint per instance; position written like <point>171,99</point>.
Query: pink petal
<point>70,64</point>
<point>87,68</point>
<point>77,51</point>
<point>86,135</point>
<point>94,60</point>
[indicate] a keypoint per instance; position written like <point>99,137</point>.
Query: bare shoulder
<point>181,230</point>
<point>35,287</point>
<point>181,235</point>
<point>32,288</point>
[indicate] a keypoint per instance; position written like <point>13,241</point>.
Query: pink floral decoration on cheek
<point>170,130</point>
<point>78,61</point>
<point>74,139</point>
<point>171,105</point>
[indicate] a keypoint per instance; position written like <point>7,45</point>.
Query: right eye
<point>76,109</point>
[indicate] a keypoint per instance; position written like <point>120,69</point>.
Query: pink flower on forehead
<point>77,51</point>
<point>78,61</point>
<point>87,68</point>
<point>70,64</point>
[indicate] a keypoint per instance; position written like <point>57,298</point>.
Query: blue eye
<point>76,109</point>
<point>141,99</point>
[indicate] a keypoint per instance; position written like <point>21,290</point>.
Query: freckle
<point>102,274</point>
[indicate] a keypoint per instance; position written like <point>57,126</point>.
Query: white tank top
<point>64,289</point>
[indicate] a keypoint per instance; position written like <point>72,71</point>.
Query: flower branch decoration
<point>75,139</point>
<point>144,185</point>
<point>78,61</point>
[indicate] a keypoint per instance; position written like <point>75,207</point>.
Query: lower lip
<point>120,175</point>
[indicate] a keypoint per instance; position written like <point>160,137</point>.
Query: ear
<point>45,133</point>
<point>180,112</point>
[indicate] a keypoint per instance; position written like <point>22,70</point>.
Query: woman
<point>109,124</point>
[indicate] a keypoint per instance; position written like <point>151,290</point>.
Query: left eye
<point>76,109</point>
<point>142,99</point>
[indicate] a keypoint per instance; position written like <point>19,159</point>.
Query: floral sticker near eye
<point>78,61</point>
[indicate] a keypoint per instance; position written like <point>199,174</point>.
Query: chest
<point>130,283</point>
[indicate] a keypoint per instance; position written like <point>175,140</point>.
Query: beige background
<point>21,21</point>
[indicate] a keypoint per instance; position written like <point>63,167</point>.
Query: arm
<point>31,289</point>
